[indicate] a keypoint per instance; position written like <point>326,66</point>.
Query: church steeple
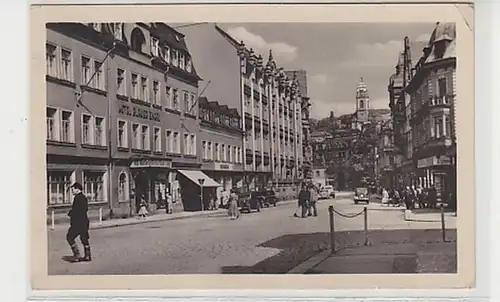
<point>362,101</point>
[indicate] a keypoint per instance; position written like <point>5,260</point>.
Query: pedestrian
<point>313,200</point>
<point>79,225</point>
<point>169,203</point>
<point>432,197</point>
<point>304,197</point>
<point>233,211</point>
<point>385,197</point>
<point>143,207</point>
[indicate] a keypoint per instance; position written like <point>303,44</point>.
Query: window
<point>168,96</point>
<point>59,187</point>
<point>177,143</point>
<point>85,70</point>
<point>155,46</point>
<point>175,104</point>
<point>217,153</point>
<point>120,82</point>
<point>228,157</point>
<point>156,93</point>
<point>189,64</point>
<point>66,65</point>
<point>442,87</point>
<point>223,152</point>
<point>168,140</point>
<point>137,40</point>
<point>51,60</point>
<point>438,126</point>
<point>86,129</point>
<point>193,144</point>
<point>93,186</point>
<point>210,155</point>
<point>187,145</point>
<point>52,124</point>
<point>99,75</point>
<point>117,29</point>
<point>95,26</point>
<point>100,137</point>
<point>181,61</point>
<point>135,136</point>
<point>122,134</point>
<point>193,103</point>
<point>67,127</point>
<point>144,89</point>
<point>186,101</point>
<point>235,154</point>
<point>175,58</point>
<point>157,139</point>
<point>204,149</point>
<point>166,54</point>
<point>145,137</point>
<point>123,188</point>
<point>135,88</point>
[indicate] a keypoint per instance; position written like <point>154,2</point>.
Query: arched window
<point>137,40</point>
<point>361,104</point>
<point>123,194</point>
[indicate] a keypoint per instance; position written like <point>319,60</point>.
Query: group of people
<point>308,197</point>
<point>410,197</point>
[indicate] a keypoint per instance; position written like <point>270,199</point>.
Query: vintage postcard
<point>252,147</point>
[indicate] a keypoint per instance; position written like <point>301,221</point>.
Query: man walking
<point>79,224</point>
<point>303,200</point>
<point>312,202</point>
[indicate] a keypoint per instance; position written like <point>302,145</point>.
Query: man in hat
<point>79,224</point>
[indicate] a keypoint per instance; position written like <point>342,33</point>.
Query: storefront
<point>196,186</point>
<point>228,175</point>
<point>151,182</point>
<point>436,171</point>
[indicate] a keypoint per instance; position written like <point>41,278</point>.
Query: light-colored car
<point>327,192</point>
<point>324,194</point>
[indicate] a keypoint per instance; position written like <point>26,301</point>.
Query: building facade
<point>432,92</point>
<point>122,116</point>
<point>269,103</point>
<point>386,155</point>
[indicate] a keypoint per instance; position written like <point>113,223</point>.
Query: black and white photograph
<point>252,148</point>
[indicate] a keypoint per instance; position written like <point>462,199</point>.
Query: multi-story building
<point>268,102</point>
<point>221,144</point>
<point>385,159</point>
<point>121,115</point>
<point>432,90</point>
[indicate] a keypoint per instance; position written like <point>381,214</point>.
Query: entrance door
<point>141,188</point>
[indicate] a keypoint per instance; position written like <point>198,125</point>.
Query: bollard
<point>100,215</point>
<point>366,225</point>
<point>332,229</point>
<point>53,223</point>
<point>443,228</point>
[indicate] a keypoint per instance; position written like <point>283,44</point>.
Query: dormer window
<point>166,54</point>
<point>175,58</point>
<point>189,64</point>
<point>137,40</point>
<point>181,61</point>
<point>117,30</point>
<point>155,46</point>
<point>439,49</point>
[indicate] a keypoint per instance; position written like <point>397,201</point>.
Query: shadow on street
<point>297,248</point>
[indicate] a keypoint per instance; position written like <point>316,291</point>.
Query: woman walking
<point>233,211</point>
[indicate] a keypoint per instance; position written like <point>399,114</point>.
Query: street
<point>272,241</point>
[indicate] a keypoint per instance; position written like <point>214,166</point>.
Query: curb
<point>310,263</point>
<point>159,219</point>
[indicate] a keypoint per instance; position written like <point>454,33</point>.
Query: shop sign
<point>425,162</point>
<point>145,114</point>
<point>443,160</point>
<point>225,167</point>
<point>151,163</point>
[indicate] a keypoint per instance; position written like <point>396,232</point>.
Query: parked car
<point>249,201</point>
<point>361,195</point>
<point>323,194</point>
<point>268,198</point>
<point>330,190</point>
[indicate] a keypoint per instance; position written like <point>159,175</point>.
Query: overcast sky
<point>335,56</point>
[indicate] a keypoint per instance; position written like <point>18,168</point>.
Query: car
<point>324,194</point>
<point>361,195</point>
<point>249,201</point>
<point>269,198</point>
<point>330,190</point>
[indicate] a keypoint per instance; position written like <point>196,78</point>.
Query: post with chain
<point>443,227</point>
<point>366,224</point>
<point>332,229</point>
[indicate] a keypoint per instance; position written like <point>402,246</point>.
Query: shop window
<point>93,187</point>
<point>58,187</point>
<point>123,192</point>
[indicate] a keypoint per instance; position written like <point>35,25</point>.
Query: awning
<point>195,175</point>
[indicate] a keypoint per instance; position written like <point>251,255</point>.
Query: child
<point>143,210</point>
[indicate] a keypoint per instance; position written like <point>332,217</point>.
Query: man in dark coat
<point>79,224</point>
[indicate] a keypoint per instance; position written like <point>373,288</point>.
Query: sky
<point>335,56</point>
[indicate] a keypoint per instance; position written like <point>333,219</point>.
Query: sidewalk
<point>160,216</point>
<point>400,251</point>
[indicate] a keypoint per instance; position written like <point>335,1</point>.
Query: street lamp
<point>201,181</point>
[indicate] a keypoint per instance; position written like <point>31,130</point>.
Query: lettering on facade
<point>425,162</point>
<point>146,114</point>
<point>219,166</point>
<point>434,161</point>
<point>151,163</point>
<point>443,160</point>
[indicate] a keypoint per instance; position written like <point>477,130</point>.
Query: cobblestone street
<point>272,241</point>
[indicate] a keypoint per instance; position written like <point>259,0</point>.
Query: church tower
<point>362,102</point>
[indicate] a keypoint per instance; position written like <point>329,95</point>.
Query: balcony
<point>445,100</point>
<point>442,141</point>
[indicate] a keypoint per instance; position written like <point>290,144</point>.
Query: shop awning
<point>195,176</point>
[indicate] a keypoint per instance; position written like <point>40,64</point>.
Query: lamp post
<point>201,181</point>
